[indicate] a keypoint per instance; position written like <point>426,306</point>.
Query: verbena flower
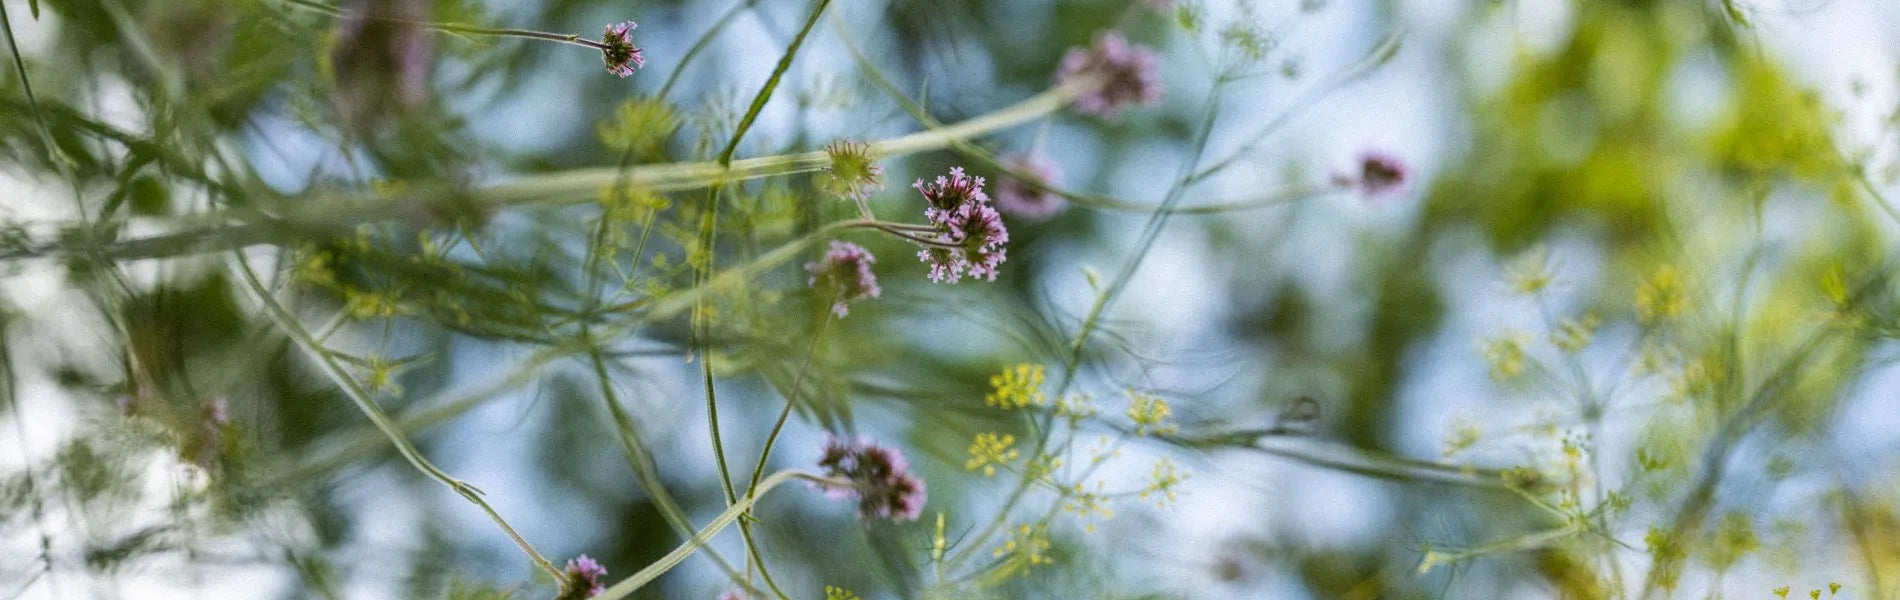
<point>946,265</point>
<point>584,577</point>
<point>1127,73</point>
<point>845,274</point>
<point>853,172</point>
<point>1379,175</point>
<point>621,56</point>
<point>734,595</point>
<point>970,233</point>
<point>979,230</point>
<point>947,194</point>
<point>880,479</point>
<point>1020,198</point>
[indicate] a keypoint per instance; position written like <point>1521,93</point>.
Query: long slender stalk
<point>566,38</point>
<point>708,244</point>
<point>292,328</point>
<point>699,540</point>
<point>644,468</point>
<point>325,211</point>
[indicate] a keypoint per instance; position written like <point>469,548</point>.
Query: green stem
<point>644,468</point>
<point>566,38</point>
<point>699,540</point>
<point>350,387</point>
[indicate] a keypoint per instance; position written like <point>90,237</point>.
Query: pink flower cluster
<point>584,576</point>
<point>1020,198</point>
<point>844,273</point>
<point>1127,75</point>
<point>618,51</point>
<point>880,479</point>
<point>970,233</point>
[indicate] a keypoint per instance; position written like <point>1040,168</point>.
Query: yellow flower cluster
<point>1149,413</point>
<point>1162,482</point>
<point>1028,545</point>
<point>1505,355</point>
<point>989,450</point>
<point>1661,297</point>
<point>1016,387</point>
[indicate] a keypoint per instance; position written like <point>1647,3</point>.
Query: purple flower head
<point>1380,174</point>
<point>948,193</point>
<point>1127,75</point>
<point>621,56</point>
<point>946,265</point>
<point>969,233</point>
<point>880,479</point>
<point>734,595</point>
<point>584,576</point>
<point>973,236</point>
<point>845,273</point>
<point>1018,198</point>
<point>853,172</point>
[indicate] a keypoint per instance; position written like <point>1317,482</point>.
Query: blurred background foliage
<point>1692,336</point>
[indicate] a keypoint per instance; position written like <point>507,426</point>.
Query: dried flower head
<point>1127,75</point>
<point>618,51</point>
<point>584,576</point>
<point>854,172</point>
<point>845,275</point>
<point>880,479</point>
<point>1380,174</point>
<point>1023,199</point>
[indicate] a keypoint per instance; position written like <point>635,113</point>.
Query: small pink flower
<point>880,479</point>
<point>948,193</point>
<point>844,273</point>
<point>1019,198</point>
<point>1127,75</point>
<point>584,577</point>
<point>969,233</point>
<point>621,56</point>
<point>1380,174</point>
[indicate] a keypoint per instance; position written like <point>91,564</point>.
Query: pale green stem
<point>699,540</point>
<point>350,387</point>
